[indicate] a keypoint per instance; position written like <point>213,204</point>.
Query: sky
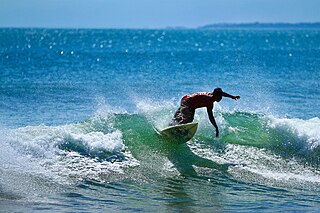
<point>152,13</point>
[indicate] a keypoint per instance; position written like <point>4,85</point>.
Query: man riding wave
<point>189,103</point>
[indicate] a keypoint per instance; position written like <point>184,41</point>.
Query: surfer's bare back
<point>191,102</point>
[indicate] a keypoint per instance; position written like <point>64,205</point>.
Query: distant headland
<point>257,25</point>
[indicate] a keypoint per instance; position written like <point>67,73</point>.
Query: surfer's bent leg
<point>184,114</point>
<point>177,118</point>
<point>187,115</point>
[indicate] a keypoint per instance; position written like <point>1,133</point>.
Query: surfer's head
<point>217,93</point>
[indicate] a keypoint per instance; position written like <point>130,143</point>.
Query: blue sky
<point>152,13</point>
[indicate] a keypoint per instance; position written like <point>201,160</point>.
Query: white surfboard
<point>180,133</point>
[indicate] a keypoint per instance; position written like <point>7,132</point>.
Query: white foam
<point>111,142</point>
<point>41,140</point>
<point>37,149</point>
<point>309,129</point>
<point>78,167</point>
<point>260,165</point>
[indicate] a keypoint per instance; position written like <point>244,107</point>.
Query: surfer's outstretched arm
<point>224,94</point>
<point>213,121</point>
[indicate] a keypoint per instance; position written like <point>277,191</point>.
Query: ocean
<point>78,108</point>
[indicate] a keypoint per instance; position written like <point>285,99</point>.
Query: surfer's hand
<point>217,132</point>
<point>236,97</point>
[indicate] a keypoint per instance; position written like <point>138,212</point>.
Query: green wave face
<point>246,129</point>
<point>240,128</point>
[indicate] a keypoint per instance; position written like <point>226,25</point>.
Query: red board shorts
<point>185,113</point>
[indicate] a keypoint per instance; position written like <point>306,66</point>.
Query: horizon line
<point>206,26</point>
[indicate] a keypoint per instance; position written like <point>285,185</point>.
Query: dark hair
<point>218,91</point>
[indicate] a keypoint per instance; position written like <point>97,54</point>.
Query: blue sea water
<point>78,110</point>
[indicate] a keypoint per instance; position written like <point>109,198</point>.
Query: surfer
<point>191,102</point>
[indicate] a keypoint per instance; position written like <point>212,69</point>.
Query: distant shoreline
<point>217,26</point>
<point>257,25</point>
